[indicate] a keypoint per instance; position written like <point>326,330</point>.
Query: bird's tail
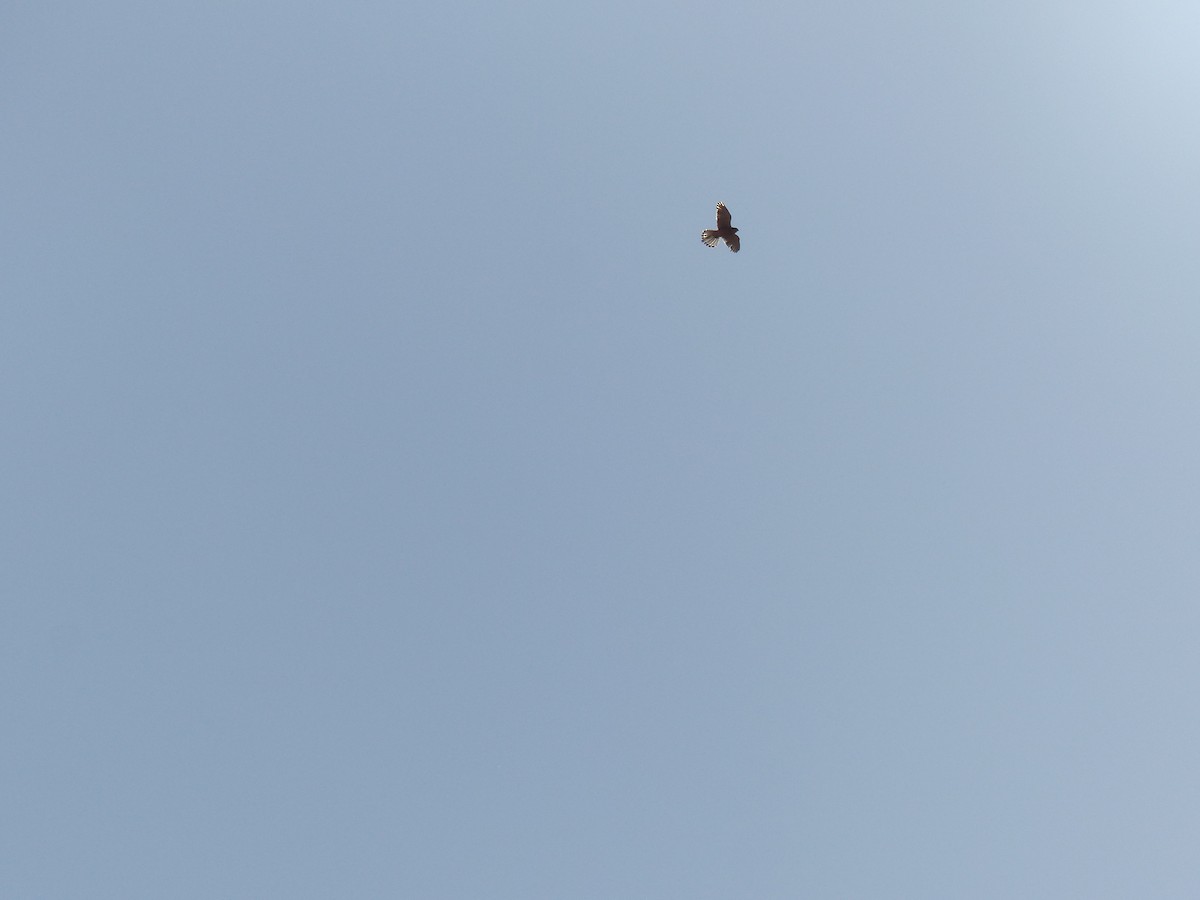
<point>710,237</point>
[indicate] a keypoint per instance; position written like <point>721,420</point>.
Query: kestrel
<point>723,230</point>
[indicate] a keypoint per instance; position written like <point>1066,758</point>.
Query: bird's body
<point>724,231</point>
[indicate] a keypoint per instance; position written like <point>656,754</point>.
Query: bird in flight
<point>724,230</point>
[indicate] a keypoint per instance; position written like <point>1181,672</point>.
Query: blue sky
<point>398,499</point>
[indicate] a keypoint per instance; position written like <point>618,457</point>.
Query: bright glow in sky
<point>399,500</point>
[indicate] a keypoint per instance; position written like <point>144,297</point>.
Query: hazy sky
<point>398,499</point>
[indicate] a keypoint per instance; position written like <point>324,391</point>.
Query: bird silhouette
<point>724,231</point>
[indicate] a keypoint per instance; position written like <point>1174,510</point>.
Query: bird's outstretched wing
<point>724,219</point>
<point>734,242</point>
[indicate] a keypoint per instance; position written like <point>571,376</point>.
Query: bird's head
<point>734,230</point>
